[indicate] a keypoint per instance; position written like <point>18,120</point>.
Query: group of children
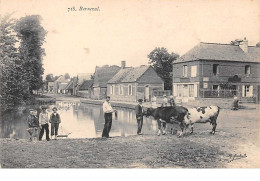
<point>37,124</point>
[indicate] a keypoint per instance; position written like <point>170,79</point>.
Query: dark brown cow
<point>173,114</point>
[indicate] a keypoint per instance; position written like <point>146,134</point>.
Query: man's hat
<point>44,107</point>
<point>108,97</point>
<point>140,100</point>
<point>54,108</point>
<point>30,110</point>
<point>164,95</point>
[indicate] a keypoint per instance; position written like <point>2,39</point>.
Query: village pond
<point>80,120</point>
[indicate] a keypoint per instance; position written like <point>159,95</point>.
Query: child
<point>33,125</point>
<point>235,103</point>
<point>55,121</point>
<point>43,119</point>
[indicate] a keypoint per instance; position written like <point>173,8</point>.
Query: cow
<point>202,115</point>
<point>171,114</point>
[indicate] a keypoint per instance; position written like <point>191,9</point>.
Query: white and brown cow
<point>202,115</point>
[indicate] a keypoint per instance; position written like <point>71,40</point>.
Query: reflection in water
<point>82,121</point>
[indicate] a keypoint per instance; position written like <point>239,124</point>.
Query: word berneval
<point>81,8</point>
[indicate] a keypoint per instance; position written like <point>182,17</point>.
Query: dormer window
<point>247,69</point>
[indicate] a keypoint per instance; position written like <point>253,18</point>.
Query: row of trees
<point>21,56</point>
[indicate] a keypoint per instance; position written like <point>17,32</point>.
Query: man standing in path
<point>139,111</point>
<point>108,110</point>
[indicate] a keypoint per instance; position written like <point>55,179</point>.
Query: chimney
<point>122,64</point>
<point>244,45</point>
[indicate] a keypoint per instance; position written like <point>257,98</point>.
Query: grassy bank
<point>146,151</point>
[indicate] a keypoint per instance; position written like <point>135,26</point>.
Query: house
<point>86,89</point>
<point>217,70</point>
<point>50,88</point>
<point>60,84</point>
<point>71,86</point>
<point>101,76</point>
<point>131,84</point>
<point>81,77</point>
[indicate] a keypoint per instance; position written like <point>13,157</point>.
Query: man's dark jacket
<point>139,111</point>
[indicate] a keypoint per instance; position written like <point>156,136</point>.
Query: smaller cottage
<point>86,89</point>
<point>71,86</point>
<point>101,76</point>
<point>60,84</point>
<point>131,84</point>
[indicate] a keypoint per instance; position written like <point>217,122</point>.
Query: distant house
<point>212,70</point>
<point>81,77</point>
<point>71,86</point>
<point>60,84</point>
<point>131,84</point>
<point>50,88</point>
<point>86,89</point>
<point>101,76</point>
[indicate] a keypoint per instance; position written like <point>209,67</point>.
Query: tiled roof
<point>62,79</point>
<point>86,84</point>
<point>135,73</point>
<point>224,52</point>
<point>104,74</point>
<point>62,85</point>
<point>120,75</point>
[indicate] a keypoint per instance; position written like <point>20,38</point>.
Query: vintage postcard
<point>130,84</point>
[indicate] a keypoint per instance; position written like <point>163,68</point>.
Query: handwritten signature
<point>232,157</point>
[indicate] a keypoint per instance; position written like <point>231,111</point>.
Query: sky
<point>78,41</point>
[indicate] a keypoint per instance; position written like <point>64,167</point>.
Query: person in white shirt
<point>108,110</point>
<point>165,101</point>
<point>44,119</point>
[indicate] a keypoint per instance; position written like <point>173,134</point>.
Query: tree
<point>13,89</point>
<point>49,78</point>
<point>67,76</point>
<point>31,35</point>
<point>162,61</point>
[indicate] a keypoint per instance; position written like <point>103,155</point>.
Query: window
<point>191,90</point>
<point>194,71</point>
<point>121,90</point>
<point>215,69</point>
<point>205,85</point>
<point>247,69</point>
<point>247,91</point>
<point>215,87</point>
<point>179,90</point>
<point>185,71</point>
<point>112,90</point>
<point>130,89</point>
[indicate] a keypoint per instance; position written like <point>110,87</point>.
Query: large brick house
<point>101,76</point>
<point>130,84</point>
<point>217,70</point>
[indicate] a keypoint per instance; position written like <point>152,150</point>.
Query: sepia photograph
<point>152,84</point>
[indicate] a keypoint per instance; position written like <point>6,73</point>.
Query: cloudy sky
<point>130,29</point>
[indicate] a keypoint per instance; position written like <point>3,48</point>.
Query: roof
<point>62,86</point>
<point>223,52</point>
<point>50,83</point>
<point>104,74</point>
<point>120,75</point>
<point>70,84</point>
<point>135,73</point>
<point>86,85</point>
<point>62,79</point>
<point>82,77</point>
